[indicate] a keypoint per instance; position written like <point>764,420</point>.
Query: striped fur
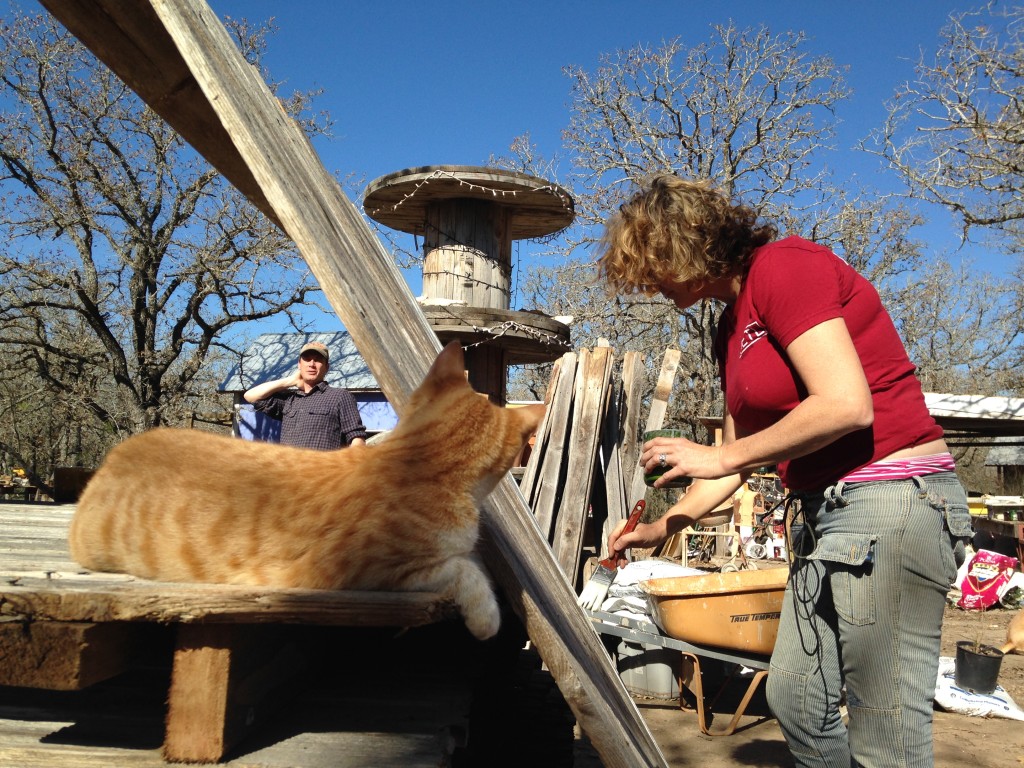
<point>402,514</point>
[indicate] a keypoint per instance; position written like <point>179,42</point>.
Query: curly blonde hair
<point>678,230</point>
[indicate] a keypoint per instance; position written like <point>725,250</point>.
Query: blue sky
<point>412,83</point>
<point>429,82</point>
<point>423,83</point>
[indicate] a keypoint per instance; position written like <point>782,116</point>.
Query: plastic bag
<point>989,575</point>
<point>952,698</point>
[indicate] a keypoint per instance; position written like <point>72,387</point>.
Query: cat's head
<point>480,438</point>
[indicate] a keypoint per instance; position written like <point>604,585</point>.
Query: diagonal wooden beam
<point>367,291</point>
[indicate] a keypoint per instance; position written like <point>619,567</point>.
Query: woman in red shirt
<point>816,381</point>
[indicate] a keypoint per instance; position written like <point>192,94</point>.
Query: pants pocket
<point>848,559</point>
<point>958,522</point>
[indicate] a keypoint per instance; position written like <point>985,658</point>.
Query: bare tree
<point>754,113</point>
<point>962,329</point>
<point>126,260</point>
<point>956,136</point>
<point>956,133</point>
<point>749,110</point>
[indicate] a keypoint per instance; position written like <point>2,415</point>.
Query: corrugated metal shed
<point>274,355</point>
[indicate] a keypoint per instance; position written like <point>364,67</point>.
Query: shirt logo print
<point>753,333</point>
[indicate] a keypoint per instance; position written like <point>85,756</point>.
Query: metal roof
<point>1006,452</point>
<point>977,419</point>
<point>275,355</point>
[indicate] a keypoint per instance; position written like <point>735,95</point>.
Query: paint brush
<point>596,590</point>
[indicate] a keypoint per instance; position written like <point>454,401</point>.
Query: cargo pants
<point>862,616</point>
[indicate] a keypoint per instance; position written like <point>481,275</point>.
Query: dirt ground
<point>961,741</point>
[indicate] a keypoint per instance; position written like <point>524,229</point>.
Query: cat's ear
<point>450,364</point>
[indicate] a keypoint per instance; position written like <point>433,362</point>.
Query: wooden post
<point>467,253</point>
<point>468,217</point>
<point>221,685</point>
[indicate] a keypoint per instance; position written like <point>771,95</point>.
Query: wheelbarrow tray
<point>737,611</point>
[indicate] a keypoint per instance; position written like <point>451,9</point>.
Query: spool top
<point>536,207</point>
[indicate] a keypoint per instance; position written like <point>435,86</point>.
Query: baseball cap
<point>316,346</point>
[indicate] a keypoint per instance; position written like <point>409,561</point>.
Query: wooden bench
<point>63,628</point>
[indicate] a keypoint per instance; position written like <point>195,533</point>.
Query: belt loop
<point>922,489</point>
<point>834,495</point>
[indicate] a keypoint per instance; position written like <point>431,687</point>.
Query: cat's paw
<point>484,622</point>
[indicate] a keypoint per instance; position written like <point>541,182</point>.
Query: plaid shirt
<point>325,418</point>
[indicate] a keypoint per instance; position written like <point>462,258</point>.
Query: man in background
<point>312,413</point>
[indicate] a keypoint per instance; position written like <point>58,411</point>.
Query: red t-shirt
<point>793,285</point>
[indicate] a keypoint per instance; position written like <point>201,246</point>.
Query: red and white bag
<point>988,576</point>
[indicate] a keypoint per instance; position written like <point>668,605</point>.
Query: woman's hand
<point>683,458</point>
<point>700,499</point>
<point>644,535</point>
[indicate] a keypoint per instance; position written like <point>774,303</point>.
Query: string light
<point>495,191</point>
<point>497,331</point>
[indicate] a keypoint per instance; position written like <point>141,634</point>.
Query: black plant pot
<point>977,666</point>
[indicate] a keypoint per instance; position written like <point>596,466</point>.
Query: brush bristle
<point>596,590</point>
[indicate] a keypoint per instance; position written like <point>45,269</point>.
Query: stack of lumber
<point>584,466</point>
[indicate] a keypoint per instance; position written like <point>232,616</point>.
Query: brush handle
<point>631,522</point>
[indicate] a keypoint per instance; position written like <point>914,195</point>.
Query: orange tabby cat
<point>402,514</point>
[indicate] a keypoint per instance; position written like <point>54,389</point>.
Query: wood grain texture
<point>592,381</point>
<point>63,656</point>
<point>659,407</point>
<point>559,415</point>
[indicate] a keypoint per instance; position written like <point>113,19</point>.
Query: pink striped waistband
<point>902,469</point>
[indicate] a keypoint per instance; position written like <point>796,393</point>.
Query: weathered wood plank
<point>139,600</point>
<point>559,416</point>
<point>123,727</point>
<point>28,550</point>
<point>225,682</point>
<point>659,407</point>
<point>34,752</point>
<point>201,721</point>
<point>198,702</point>
<point>61,656</point>
<point>528,482</point>
<point>663,389</point>
<point>611,465</point>
<point>588,414</point>
<point>32,746</point>
<point>632,404</point>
